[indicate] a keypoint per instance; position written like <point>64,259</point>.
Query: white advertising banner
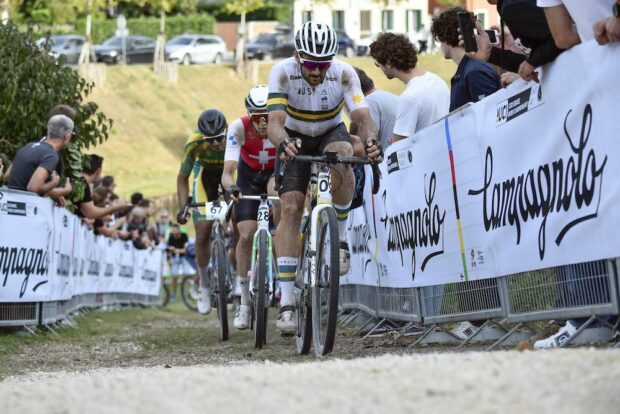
<point>46,254</point>
<point>520,181</point>
<point>26,245</point>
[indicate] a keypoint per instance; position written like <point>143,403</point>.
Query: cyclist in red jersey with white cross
<point>252,156</point>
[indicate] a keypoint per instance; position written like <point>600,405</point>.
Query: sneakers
<point>204,300</point>
<point>558,339</point>
<point>242,318</point>
<point>345,258</point>
<point>286,321</point>
<point>463,330</point>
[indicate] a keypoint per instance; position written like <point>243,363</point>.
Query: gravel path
<point>566,381</point>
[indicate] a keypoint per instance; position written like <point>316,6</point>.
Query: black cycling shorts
<point>297,174</point>
<point>211,180</point>
<point>251,182</point>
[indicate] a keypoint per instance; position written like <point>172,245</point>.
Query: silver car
<point>68,45</point>
<point>189,49</point>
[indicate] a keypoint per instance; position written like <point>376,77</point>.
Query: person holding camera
<point>473,79</point>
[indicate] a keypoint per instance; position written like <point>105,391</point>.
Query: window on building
<point>338,19</point>
<point>413,20</point>
<point>365,25</point>
<point>306,16</point>
<point>482,18</point>
<point>387,20</point>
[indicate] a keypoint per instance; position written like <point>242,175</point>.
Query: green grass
<point>152,117</point>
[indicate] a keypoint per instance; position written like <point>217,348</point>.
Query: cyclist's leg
<point>275,204</point>
<point>293,185</point>
<point>343,185</point>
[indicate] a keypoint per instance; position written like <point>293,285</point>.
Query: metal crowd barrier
<point>586,291</point>
<point>48,313</point>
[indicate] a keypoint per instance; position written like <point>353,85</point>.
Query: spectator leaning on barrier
<point>87,207</point>
<point>137,228</point>
<point>528,26</point>
<point>426,97</point>
<point>562,13</point>
<point>35,166</point>
<point>473,79</point>
<point>382,106</point>
<point>177,241</point>
<point>608,29</point>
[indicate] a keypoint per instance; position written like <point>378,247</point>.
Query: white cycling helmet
<point>256,101</point>
<point>316,39</point>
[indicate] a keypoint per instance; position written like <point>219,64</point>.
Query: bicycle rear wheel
<point>220,292</point>
<point>260,292</point>
<point>189,293</point>
<point>325,293</point>
<point>303,308</point>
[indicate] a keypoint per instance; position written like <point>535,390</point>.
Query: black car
<point>138,49</point>
<point>270,45</point>
<point>346,45</point>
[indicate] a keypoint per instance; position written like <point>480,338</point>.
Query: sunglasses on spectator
<point>214,138</point>
<point>258,117</point>
<point>314,64</point>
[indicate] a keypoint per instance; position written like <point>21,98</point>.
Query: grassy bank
<point>153,117</point>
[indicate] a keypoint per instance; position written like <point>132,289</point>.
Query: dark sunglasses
<point>214,138</point>
<point>258,117</point>
<point>314,64</point>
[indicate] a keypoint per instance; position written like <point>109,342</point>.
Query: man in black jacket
<point>529,27</point>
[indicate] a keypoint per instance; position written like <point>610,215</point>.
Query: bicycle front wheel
<point>325,291</point>
<point>260,292</point>
<point>220,291</point>
<point>303,308</point>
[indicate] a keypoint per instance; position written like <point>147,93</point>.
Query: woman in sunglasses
<point>204,156</point>
<point>306,95</point>
<point>252,156</point>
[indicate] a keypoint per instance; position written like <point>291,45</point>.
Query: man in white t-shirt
<point>426,98</point>
<point>562,13</point>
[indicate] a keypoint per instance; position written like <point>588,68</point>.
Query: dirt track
<point>568,381</point>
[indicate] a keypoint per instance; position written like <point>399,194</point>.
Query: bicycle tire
<point>221,294</point>
<point>164,295</point>
<point>186,285</point>
<point>325,293</point>
<point>303,308</point>
<point>260,296</point>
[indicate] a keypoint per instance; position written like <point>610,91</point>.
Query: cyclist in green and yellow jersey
<point>204,156</point>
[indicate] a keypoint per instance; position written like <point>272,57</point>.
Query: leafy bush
<point>31,83</point>
<point>149,26</point>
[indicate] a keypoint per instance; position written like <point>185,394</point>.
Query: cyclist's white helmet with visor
<point>256,100</point>
<point>317,40</point>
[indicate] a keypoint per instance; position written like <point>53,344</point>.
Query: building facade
<point>363,18</point>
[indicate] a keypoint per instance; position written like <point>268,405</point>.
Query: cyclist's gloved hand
<point>232,193</point>
<point>374,151</point>
<point>289,148</point>
<point>181,217</point>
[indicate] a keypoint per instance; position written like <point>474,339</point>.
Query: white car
<point>189,49</point>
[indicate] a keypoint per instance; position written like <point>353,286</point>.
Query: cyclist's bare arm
<point>277,134</point>
<point>368,132</point>
<point>182,191</point>
<point>228,176</point>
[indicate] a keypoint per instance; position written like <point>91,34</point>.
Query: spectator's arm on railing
<point>38,182</point>
<point>90,210</point>
<point>562,28</point>
<point>61,191</point>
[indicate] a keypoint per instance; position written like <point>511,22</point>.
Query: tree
<point>242,7</point>
<point>31,83</point>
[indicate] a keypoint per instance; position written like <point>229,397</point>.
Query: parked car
<point>190,49</point>
<point>346,45</point>
<point>270,45</point>
<point>69,46</point>
<point>138,49</point>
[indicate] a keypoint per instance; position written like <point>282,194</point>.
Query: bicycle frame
<point>262,221</point>
<point>320,182</point>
